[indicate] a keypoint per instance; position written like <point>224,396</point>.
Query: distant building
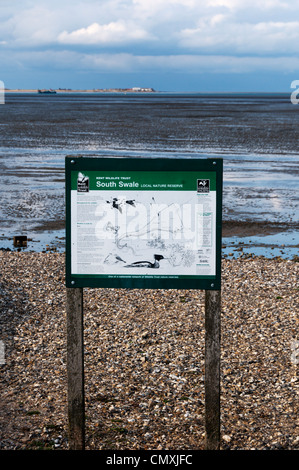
<point>142,89</point>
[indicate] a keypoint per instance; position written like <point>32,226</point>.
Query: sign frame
<point>149,166</point>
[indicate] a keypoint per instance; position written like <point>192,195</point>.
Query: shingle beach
<point>144,359</point>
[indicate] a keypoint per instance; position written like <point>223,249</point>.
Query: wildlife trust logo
<point>203,186</point>
<point>2,94</point>
<point>82,183</point>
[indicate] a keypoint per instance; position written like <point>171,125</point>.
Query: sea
<point>256,134</point>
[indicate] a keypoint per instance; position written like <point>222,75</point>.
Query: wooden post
<point>75,368</point>
<point>212,368</point>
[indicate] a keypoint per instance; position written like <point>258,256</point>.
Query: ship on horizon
<point>47,92</point>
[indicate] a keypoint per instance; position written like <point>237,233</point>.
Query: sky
<point>168,45</point>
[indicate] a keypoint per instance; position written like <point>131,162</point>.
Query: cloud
<point>214,26</point>
<point>149,36</point>
<point>218,33</point>
<point>188,63</point>
<point>115,32</point>
<point>29,27</point>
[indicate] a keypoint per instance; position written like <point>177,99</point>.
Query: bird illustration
<point>119,203</point>
<point>113,259</point>
<point>116,204</point>
<point>147,264</point>
<point>131,202</point>
<point>118,258</point>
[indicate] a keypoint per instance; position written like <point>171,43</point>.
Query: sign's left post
<point>75,368</point>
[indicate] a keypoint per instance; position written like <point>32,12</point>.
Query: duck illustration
<point>131,202</point>
<point>146,264</point>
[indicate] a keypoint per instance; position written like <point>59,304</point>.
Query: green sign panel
<point>143,222</point>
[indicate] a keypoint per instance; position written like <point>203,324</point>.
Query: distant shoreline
<point>67,90</point>
<point>145,90</point>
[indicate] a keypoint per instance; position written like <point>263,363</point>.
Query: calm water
<point>257,136</point>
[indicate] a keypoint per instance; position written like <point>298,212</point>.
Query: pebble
<point>144,359</point>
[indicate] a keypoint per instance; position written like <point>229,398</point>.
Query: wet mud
<point>256,135</point>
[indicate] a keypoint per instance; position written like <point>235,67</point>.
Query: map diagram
<point>154,241</point>
<point>142,232</point>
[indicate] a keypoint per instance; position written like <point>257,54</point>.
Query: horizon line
<point>130,90</point>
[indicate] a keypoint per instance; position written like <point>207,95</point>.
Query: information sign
<point>143,222</point>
